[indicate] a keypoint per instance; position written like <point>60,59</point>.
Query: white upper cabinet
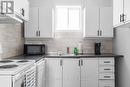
<point>45,25</point>
<point>92,22</point>
<point>39,25</point>
<point>98,18</point>
<point>127,10</point>
<point>121,12</point>
<point>99,22</point>
<point>17,6</point>
<point>21,8</point>
<point>117,11</point>
<point>31,27</point>
<point>26,10</point>
<point>106,22</point>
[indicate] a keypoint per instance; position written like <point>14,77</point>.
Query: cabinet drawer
<point>106,83</point>
<point>106,61</point>
<point>106,76</point>
<point>106,69</point>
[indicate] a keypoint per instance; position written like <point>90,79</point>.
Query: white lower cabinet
<point>106,83</point>
<point>106,72</point>
<point>71,72</point>
<point>106,76</point>
<point>53,72</point>
<point>80,72</point>
<point>106,69</point>
<point>89,72</point>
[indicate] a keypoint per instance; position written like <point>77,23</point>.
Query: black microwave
<point>34,49</point>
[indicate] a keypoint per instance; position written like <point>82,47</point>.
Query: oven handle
<point>17,77</point>
<point>23,84</point>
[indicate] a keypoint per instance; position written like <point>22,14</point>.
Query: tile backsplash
<point>62,41</point>
<point>11,39</point>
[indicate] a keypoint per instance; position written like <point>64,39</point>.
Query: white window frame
<point>80,21</point>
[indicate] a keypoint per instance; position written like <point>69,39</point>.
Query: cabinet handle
<point>22,12</point>
<point>124,17</point>
<point>107,86</point>
<point>120,18</point>
<point>107,62</point>
<point>100,33</point>
<point>36,33</point>
<point>61,63</point>
<point>107,76</point>
<point>79,62</point>
<point>39,33</point>
<point>107,69</point>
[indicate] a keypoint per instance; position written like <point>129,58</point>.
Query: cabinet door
<point>20,5</point>
<point>45,22</point>
<point>31,27</point>
<point>117,11</point>
<point>26,10</point>
<point>106,22</point>
<point>89,72</point>
<point>53,73</point>
<point>6,81</point>
<point>17,6</point>
<point>127,10</point>
<point>92,22</point>
<point>71,73</point>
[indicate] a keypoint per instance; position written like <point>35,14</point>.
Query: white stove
<point>12,67</point>
<point>17,73</point>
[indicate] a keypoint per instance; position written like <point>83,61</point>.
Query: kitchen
<point>82,42</point>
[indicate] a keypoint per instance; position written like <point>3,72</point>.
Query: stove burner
<point>8,66</point>
<point>6,61</point>
<point>21,61</point>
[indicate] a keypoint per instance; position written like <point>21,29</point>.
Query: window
<point>68,18</point>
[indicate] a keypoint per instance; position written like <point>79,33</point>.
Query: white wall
<point>11,38</point>
<point>61,42</point>
<point>121,46</point>
<point>35,3</point>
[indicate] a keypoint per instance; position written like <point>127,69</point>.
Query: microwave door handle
<point>41,49</point>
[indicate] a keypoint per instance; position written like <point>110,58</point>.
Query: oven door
<point>19,80</point>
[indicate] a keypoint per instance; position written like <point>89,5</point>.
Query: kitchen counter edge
<point>84,56</point>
